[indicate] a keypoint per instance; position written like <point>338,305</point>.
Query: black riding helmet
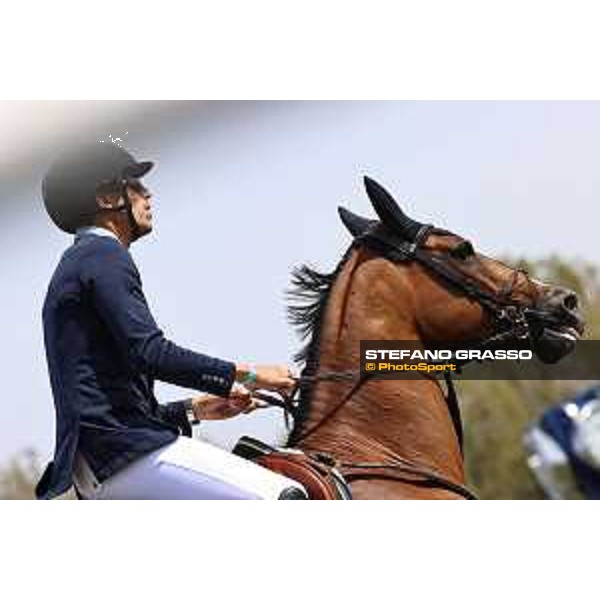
<point>70,186</point>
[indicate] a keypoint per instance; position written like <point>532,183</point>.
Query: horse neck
<point>383,419</point>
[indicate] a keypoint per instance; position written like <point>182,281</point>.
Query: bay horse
<point>404,280</point>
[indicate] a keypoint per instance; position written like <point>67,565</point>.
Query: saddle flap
<point>289,465</point>
<point>321,481</point>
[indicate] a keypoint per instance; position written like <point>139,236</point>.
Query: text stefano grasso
<point>438,355</point>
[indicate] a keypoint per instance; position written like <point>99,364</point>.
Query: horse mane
<point>308,297</point>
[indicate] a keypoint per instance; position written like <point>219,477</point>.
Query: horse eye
<point>462,250</point>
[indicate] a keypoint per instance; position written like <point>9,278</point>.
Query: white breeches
<point>186,469</point>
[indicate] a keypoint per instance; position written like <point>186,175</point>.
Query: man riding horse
<point>104,351</point>
<point>399,279</point>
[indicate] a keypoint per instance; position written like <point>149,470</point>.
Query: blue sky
<point>241,199</point>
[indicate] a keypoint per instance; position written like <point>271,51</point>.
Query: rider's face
<point>139,197</point>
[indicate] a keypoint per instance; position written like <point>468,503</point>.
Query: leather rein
<point>510,323</point>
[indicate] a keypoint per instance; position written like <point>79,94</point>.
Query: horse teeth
<point>570,334</point>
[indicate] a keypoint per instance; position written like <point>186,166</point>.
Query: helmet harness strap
<point>133,225</point>
<point>125,206</point>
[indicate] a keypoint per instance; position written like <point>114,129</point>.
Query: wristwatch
<point>189,411</point>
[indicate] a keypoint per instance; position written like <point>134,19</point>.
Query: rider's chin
<point>551,345</point>
<point>144,229</point>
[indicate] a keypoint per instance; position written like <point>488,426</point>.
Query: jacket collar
<point>94,230</point>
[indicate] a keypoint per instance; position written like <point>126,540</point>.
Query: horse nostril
<point>571,302</point>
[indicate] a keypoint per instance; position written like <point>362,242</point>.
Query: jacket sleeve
<point>116,290</point>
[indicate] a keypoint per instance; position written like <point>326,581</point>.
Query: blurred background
<point>244,191</point>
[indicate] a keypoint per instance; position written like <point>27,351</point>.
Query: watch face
<point>191,416</point>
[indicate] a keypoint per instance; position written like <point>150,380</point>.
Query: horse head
<point>455,292</point>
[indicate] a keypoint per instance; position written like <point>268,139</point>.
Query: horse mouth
<point>570,334</point>
<point>553,343</point>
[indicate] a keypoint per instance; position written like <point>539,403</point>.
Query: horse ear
<point>355,224</point>
<point>389,212</point>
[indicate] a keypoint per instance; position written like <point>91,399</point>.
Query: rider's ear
<point>104,201</point>
<point>108,194</point>
<point>109,200</point>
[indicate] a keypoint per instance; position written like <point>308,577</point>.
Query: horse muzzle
<point>556,324</point>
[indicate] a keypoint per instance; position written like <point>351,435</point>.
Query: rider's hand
<point>268,377</point>
<point>209,407</point>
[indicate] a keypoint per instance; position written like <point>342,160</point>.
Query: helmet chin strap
<point>133,225</point>
<point>126,207</point>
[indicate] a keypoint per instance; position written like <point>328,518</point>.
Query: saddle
<point>317,473</point>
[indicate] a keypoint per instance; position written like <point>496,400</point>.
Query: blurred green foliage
<point>19,477</point>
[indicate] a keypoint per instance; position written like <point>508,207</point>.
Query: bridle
<point>510,322</point>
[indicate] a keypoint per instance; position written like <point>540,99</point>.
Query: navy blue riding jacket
<point>559,426</point>
<point>104,351</point>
